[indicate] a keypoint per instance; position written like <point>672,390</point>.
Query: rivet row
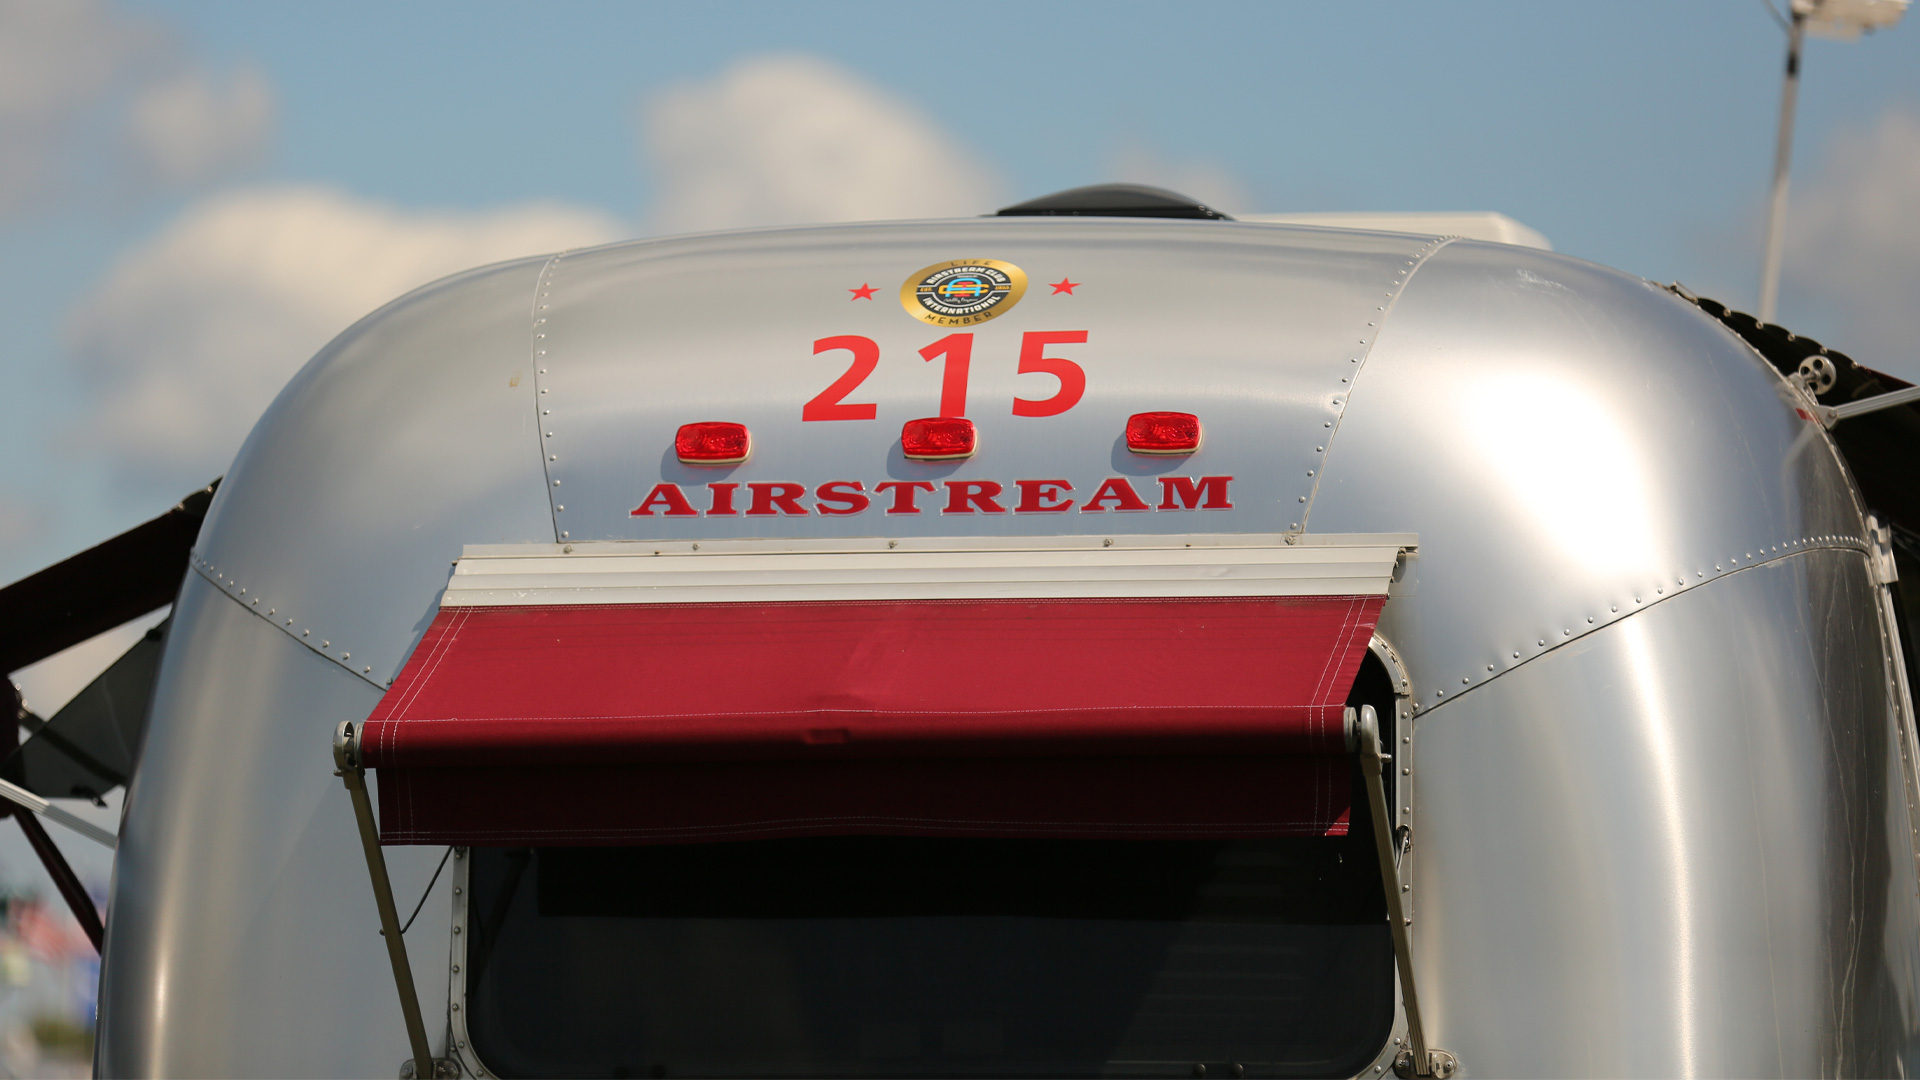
<point>1338,403</point>
<point>1765,553</point>
<point>280,620</point>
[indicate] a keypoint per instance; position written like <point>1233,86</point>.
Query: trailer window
<point>931,956</point>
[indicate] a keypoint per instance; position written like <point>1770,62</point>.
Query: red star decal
<point>864,292</point>
<point>1065,285</point>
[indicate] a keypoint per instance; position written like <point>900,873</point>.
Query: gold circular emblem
<point>961,292</point>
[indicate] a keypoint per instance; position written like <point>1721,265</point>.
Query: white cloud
<point>1853,243</point>
<point>193,332</point>
<point>57,59</point>
<point>190,128</point>
<point>1210,182</point>
<point>792,139</point>
<point>87,90</point>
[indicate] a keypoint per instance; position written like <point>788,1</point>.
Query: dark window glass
<point>906,956</point>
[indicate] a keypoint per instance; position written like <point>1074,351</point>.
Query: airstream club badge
<point>962,292</point>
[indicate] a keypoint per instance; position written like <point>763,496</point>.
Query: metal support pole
<point>64,879</point>
<point>1418,1059</point>
<point>21,804</point>
<point>346,759</point>
<point>1782,158</point>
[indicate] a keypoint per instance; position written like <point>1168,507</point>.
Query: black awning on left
<point>106,585</point>
<point>88,747</point>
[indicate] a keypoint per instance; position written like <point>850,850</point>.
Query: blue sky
<point>1636,134</point>
<point>1630,133</point>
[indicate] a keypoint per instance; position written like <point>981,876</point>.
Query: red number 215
<point>831,403</point>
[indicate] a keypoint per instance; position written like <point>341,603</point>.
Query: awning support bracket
<point>1418,1058</point>
<point>346,760</point>
<point>1892,398</point>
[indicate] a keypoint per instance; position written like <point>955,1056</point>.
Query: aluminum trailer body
<point>1654,753</point>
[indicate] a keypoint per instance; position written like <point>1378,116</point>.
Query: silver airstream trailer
<point>1102,638</point>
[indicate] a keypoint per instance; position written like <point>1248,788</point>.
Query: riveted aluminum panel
<point>1676,847</point>
<point>1056,567</point>
<point>408,436</point>
<point>1573,445</point>
<point>243,939</point>
<point>1255,329</point>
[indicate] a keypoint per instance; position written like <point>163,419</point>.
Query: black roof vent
<point>1114,200</point>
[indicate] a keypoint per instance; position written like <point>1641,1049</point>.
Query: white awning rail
<point>1076,567</point>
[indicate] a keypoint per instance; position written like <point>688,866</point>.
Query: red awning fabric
<point>637,723</point>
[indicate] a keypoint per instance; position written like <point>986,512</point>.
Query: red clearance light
<point>713,442</point>
<point>1163,433</point>
<point>938,438</point>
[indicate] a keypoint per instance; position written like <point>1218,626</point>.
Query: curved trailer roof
<point>1630,535</point>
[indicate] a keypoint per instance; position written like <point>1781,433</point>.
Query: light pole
<point>1842,19</point>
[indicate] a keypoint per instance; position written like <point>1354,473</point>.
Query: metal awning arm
<point>346,760</point>
<point>1418,1059</point>
<point>1830,415</point>
<point>1876,403</point>
<point>21,797</point>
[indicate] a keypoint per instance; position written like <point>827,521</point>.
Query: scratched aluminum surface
<point>1677,847</point>
<point>1564,440</point>
<point>1573,445</point>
